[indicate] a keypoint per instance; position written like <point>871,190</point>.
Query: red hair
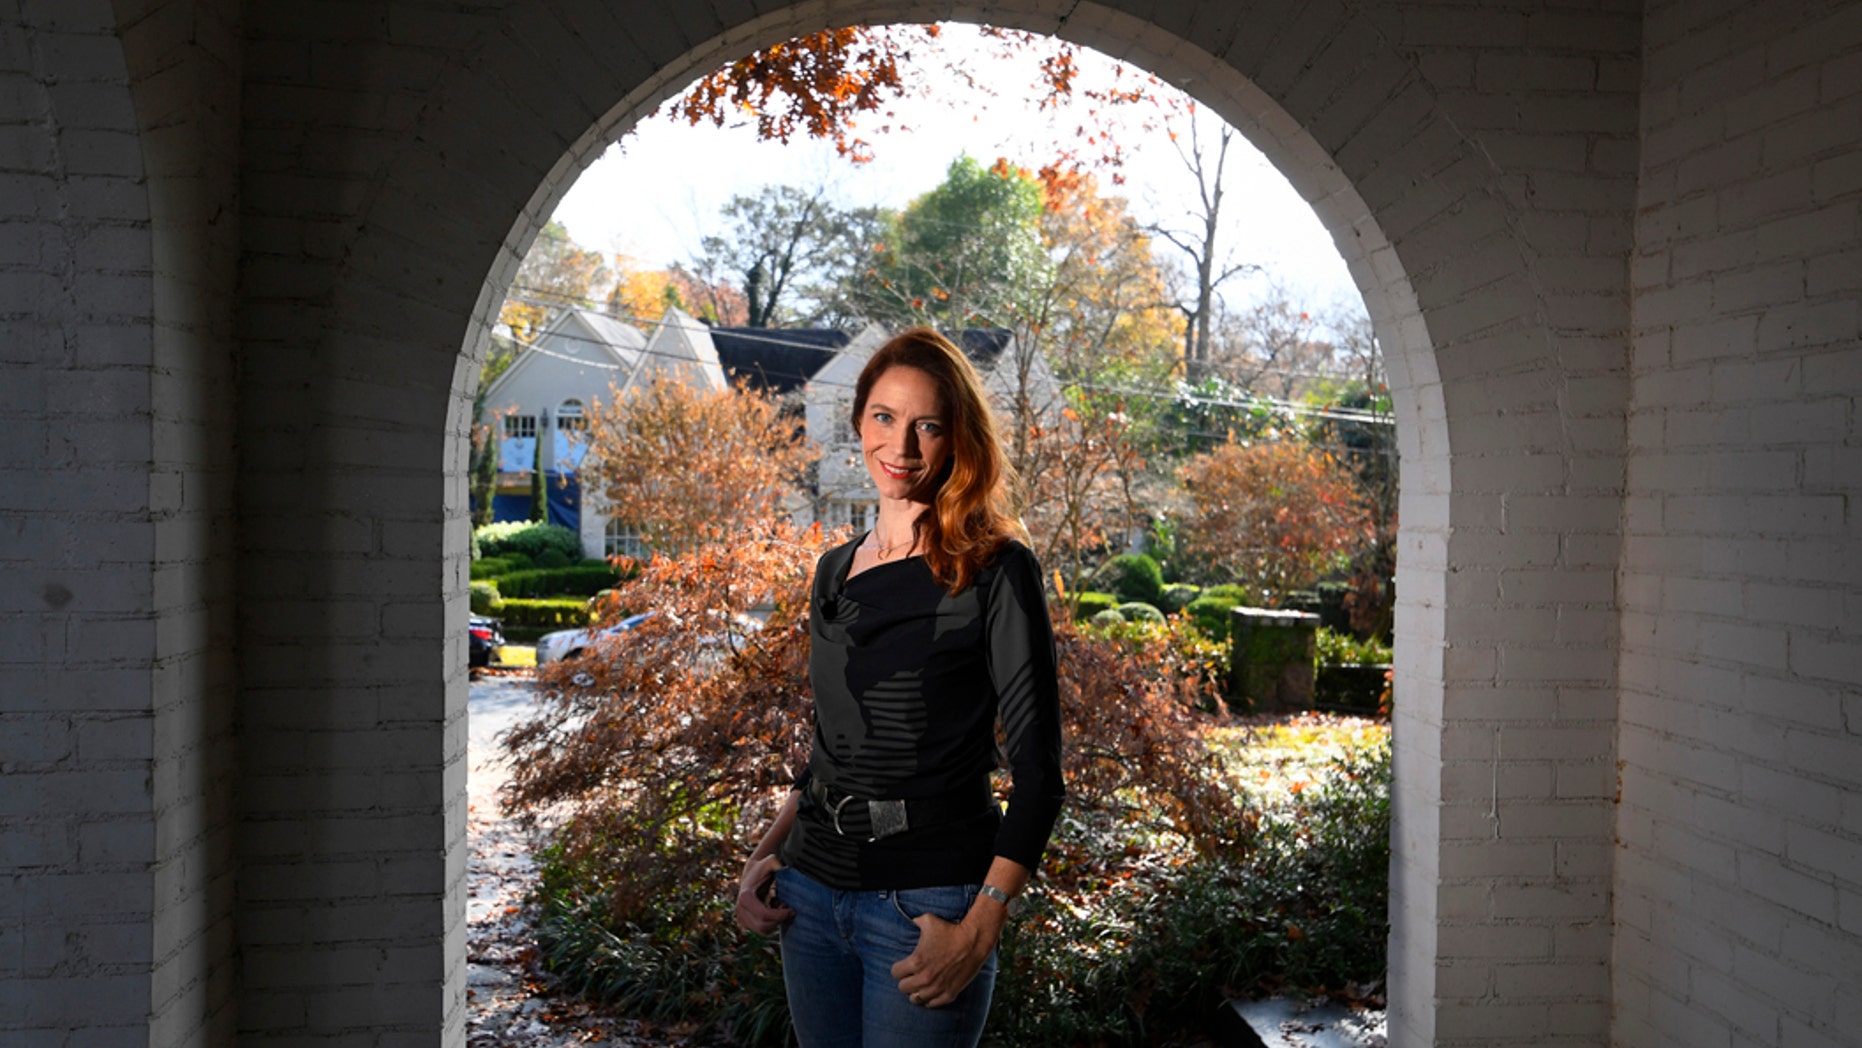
<point>968,520</point>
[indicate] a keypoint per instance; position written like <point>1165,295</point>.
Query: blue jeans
<point>837,958</point>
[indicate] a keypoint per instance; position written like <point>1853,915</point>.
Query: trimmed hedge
<point>531,538</point>
<point>486,600</point>
<point>547,613</point>
<point>1211,614</point>
<point>1108,617</point>
<point>1139,611</point>
<point>1135,578</point>
<point>1177,596</point>
<point>581,581</point>
<point>1089,603</point>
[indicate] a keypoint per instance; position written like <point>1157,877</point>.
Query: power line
<point>1250,402</point>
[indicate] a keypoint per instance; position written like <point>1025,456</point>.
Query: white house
<point>581,357</point>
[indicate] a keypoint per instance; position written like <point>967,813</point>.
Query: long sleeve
<point>1023,668</point>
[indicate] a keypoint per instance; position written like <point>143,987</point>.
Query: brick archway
<point>1491,348</point>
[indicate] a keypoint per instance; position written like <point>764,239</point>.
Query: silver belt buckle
<point>888,818</point>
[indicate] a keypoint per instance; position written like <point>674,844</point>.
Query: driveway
<point>511,1003</point>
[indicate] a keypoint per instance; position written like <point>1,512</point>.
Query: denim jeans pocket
<point>949,901</point>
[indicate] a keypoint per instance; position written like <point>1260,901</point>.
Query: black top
<point>908,684</point>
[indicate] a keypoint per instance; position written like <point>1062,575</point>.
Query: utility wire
<point>1181,397</point>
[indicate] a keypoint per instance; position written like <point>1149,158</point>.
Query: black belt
<point>885,818</point>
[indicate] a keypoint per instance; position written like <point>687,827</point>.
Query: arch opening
<point>1389,296</point>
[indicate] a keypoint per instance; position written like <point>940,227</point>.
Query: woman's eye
<point>881,417</point>
<point>930,428</point>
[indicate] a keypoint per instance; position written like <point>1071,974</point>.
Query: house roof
<point>776,360</point>
<point>982,345</point>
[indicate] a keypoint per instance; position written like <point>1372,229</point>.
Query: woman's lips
<point>897,472</point>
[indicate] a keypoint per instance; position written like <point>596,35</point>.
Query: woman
<point>890,867</point>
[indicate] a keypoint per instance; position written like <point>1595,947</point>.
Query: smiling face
<point>905,434</point>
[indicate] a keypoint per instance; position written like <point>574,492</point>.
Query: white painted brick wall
<point>1671,526</point>
<point>76,805</point>
<point>1737,654</point>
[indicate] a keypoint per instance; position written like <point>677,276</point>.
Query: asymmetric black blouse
<point>909,682</point>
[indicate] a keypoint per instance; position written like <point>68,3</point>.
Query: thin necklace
<point>883,551</point>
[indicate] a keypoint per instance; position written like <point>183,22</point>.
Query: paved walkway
<point>512,1003</point>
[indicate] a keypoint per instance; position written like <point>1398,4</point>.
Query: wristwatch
<point>997,894</point>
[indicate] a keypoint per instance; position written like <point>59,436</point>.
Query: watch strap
<point>994,893</point>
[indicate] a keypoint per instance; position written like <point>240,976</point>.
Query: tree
<point>1272,515</point>
<point>539,486</point>
<point>1079,470</point>
<point>641,295</point>
<point>685,465</point>
<point>1208,266</point>
<point>963,254</point>
<point>557,274</point>
<point>1277,348</point>
<point>786,248</point>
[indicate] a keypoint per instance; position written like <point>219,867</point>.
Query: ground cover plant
<point>1173,879</point>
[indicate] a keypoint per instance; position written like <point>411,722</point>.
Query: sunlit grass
<point>1275,759</point>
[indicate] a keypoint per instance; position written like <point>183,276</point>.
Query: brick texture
<point>77,819</point>
<point>1735,859</point>
<point>252,254</point>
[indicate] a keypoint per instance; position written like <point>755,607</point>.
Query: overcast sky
<point>656,192</point>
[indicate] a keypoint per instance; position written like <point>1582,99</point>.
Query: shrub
<point>1177,596</point>
<point>554,558</point>
<point>1088,604</point>
<point>486,600</point>
<point>1139,611</point>
<point>1210,614</point>
<point>490,568</point>
<point>547,613</point>
<point>559,582</point>
<point>1231,591</point>
<point>1343,649</point>
<point>1108,617</point>
<point>531,538</point>
<point>1133,577</point>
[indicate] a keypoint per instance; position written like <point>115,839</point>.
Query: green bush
<point>1108,617</point>
<point>1139,611</point>
<point>554,558</point>
<point>1134,577</point>
<point>492,567</point>
<point>1088,604</point>
<point>1305,904</point>
<point>1210,614</point>
<point>486,600</point>
<point>1231,591</point>
<point>558,582</point>
<point>1177,596</point>
<point>531,538</point>
<point>547,613</point>
<point>1343,649</point>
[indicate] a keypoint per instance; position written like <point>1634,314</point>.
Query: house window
<point>569,417</point>
<point>521,427</point>
<point>622,540</point>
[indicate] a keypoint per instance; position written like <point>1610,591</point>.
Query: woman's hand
<point>947,957</point>
<point>755,909</point>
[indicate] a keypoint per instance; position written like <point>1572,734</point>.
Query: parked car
<point>570,644</point>
<point>487,636</point>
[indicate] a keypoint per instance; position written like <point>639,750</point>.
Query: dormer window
<point>569,417</point>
